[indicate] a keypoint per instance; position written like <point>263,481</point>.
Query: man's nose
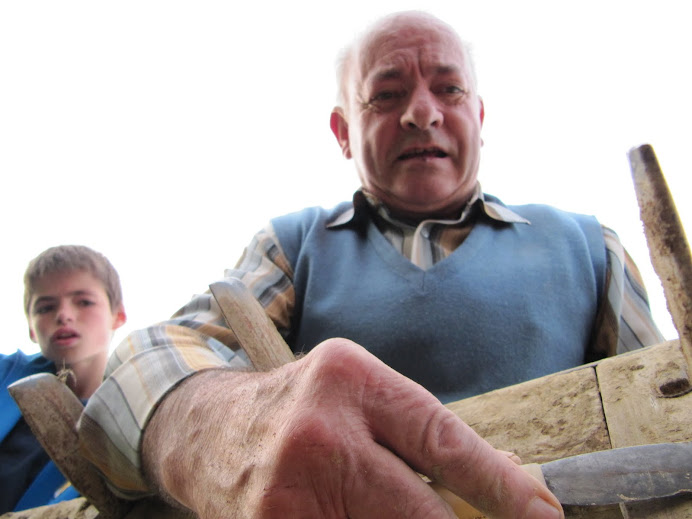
<point>422,111</point>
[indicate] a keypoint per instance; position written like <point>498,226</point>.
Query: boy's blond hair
<point>68,258</point>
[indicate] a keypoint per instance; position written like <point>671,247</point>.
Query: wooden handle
<point>255,332</point>
<point>52,411</point>
<point>665,235</point>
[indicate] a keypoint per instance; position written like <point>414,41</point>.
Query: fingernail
<point>540,509</point>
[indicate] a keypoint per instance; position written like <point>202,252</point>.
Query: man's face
<point>413,120</point>
<point>70,317</point>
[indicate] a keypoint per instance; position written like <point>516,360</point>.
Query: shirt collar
<point>365,203</point>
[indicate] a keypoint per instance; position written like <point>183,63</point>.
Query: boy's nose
<point>64,315</point>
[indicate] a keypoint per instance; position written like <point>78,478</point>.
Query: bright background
<point>164,134</point>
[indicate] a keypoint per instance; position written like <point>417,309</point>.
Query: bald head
<point>409,115</point>
<point>349,61</point>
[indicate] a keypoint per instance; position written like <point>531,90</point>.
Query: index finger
<point>413,424</point>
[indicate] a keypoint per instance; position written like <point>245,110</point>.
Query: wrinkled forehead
<point>400,43</point>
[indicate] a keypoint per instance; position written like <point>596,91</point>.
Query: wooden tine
<point>51,410</point>
<point>255,332</point>
<point>665,235</point>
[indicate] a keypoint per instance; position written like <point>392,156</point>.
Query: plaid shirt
<point>150,362</point>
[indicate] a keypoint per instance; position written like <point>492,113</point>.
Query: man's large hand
<point>336,434</point>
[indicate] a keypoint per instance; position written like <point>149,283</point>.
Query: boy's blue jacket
<point>49,480</point>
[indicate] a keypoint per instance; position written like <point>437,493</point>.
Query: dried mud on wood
<point>81,509</point>
<point>541,420</point>
<point>638,411</point>
<point>73,509</point>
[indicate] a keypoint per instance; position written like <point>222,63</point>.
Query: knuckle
<point>442,431</point>
<point>311,429</point>
<point>449,440</point>
<point>335,349</point>
<point>338,361</point>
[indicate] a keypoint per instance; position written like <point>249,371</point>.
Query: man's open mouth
<point>423,153</point>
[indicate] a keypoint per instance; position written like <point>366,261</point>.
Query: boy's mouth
<point>64,335</point>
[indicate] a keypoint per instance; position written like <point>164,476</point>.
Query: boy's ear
<point>32,335</point>
<point>339,126</point>
<point>119,317</point>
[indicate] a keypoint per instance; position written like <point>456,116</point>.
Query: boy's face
<point>70,317</point>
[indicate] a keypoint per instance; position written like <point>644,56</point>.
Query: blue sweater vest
<point>514,302</point>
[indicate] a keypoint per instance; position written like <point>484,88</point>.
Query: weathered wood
<point>617,400</point>
<point>541,420</point>
<point>255,332</point>
<point>665,236</point>
<point>80,508</point>
<point>52,410</point>
<point>636,410</point>
<point>640,407</point>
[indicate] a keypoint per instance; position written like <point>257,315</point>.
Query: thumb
<point>435,442</point>
<point>463,510</point>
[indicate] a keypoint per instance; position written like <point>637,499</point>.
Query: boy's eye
<point>85,302</point>
<point>44,309</point>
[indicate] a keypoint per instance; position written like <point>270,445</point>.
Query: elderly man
<point>440,292</point>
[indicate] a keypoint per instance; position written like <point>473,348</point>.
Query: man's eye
<point>85,302</point>
<point>386,96</point>
<point>453,89</point>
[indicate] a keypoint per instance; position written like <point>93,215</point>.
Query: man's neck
<point>415,218</point>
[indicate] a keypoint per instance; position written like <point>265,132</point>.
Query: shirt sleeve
<point>151,362</point>
<point>624,322</point>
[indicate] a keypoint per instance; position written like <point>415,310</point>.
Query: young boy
<point>73,303</point>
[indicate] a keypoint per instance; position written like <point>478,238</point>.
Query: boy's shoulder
<point>19,365</point>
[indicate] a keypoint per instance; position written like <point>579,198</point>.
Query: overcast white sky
<point>164,134</point>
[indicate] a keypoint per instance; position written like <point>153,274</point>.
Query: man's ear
<point>482,109</point>
<point>481,114</point>
<point>339,126</point>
